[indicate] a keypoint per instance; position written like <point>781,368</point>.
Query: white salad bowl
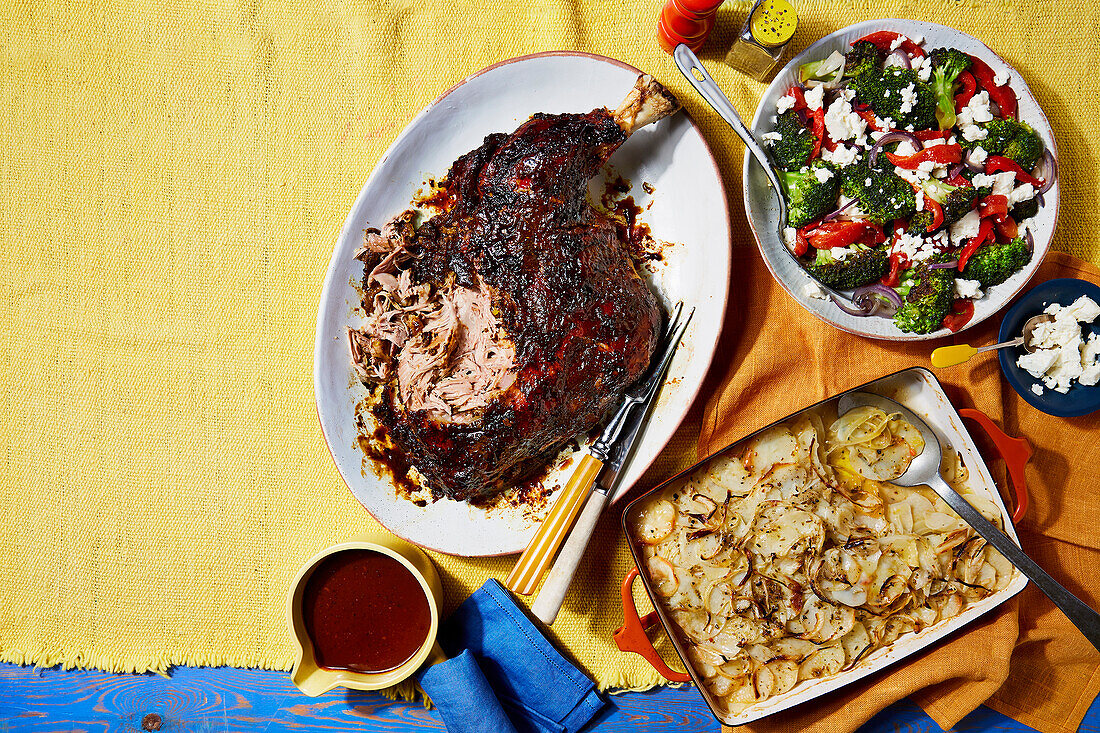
<point>763,209</point>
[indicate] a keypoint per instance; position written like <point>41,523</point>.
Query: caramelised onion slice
<point>895,136</point>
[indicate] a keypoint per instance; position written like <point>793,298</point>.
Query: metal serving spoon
<point>708,89</point>
<point>697,76</point>
<point>947,356</point>
<point>925,470</point>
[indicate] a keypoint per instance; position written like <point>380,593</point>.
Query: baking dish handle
<point>1014,451</point>
<point>631,636</point>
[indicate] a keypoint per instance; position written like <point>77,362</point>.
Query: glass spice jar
<point>763,38</point>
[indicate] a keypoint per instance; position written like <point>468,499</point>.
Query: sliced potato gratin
<point>794,558</point>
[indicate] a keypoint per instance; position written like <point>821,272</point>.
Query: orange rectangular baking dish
<point>920,391</point>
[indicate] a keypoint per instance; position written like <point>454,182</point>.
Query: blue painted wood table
<point>225,699</point>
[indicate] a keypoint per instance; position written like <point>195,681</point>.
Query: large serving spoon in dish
<point>925,471</point>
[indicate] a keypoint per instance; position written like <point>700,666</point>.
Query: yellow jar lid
<point>773,22</point>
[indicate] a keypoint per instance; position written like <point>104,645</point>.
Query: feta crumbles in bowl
<point>923,190</point>
<point>1060,377</point>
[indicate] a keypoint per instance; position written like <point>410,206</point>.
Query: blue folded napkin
<point>504,675</point>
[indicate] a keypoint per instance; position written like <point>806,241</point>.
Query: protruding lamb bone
<point>647,102</point>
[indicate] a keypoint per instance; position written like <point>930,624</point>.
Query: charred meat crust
<point>516,217</point>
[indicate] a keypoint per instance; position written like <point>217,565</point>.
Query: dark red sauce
<point>364,611</point>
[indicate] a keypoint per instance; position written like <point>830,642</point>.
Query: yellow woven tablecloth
<point>173,176</point>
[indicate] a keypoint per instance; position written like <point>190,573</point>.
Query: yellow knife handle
<point>551,533</point>
<point>947,356</point>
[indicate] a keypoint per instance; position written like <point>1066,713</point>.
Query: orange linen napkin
<point>1025,659</point>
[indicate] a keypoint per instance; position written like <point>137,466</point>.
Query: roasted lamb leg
<point>509,322</point>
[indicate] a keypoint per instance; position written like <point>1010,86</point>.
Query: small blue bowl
<point>1081,399</point>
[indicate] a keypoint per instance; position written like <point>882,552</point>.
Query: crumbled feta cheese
<point>920,200</point>
<point>842,156</point>
<point>976,110</point>
<point>822,174</point>
<point>1004,183</point>
<point>867,182</point>
<point>973,133</point>
<point>905,149</point>
<point>978,155</point>
<point>886,93</point>
<point>908,99</point>
<point>770,137</point>
<point>967,288</point>
<point>924,73</point>
<point>848,94</point>
<point>913,246</point>
<point>966,227</point>
<point>813,290</point>
<point>1000,78</point>
<point>842,123</point>
<point>917,39</point>
<point>790,235</point>
<point>784,103</point>
<point>926,166</point>
<point>896,43</point>
<point>1037,389</point>
<point>814,97</point>
<point>1061,355</point>
<point>886,123</point>
<point>1026,192</point>
<point>1084,309</point>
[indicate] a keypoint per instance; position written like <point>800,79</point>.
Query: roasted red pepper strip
<point>799,98</point>
<point>1006,227</point>
<point>958,180</point>
<point>898,262</point>
<point>873,123</point>
<point>844,233</point>
<point>1002,95</point>
<point>884,39</point>
<point>938,154</point>
<point>974,242</point>
<point>993,205</point>
<point>801,244</point>
<point>937,213</point>
<point>818,130</point>
<point>962,310</point>
<point>998,163</point>
<point>969,86</point>
<point>926,135</point>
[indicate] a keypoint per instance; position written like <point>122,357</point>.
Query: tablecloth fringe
<point>161,664</point>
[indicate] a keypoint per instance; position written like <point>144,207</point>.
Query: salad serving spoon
<point>690,66</point>
<point>925,471</point>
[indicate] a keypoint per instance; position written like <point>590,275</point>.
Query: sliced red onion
<point>871,300</point>
<point>878,289</point>
<point>857,311</point>
<point>1030,241</point>
<point>900,56</point>
<point>1050,171</point>
<point>944,265</point>
<point>835,214</point>
<point>895,136</point>
<point>955,171</point>
<point>1041,200</point>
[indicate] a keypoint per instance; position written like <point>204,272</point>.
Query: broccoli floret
<point>929,299</point>
<point>883,91</point>
<point>795,144</point>
<point>1025,209</point>
<point>992,264</point>
<point>808,197</point>
<point>882,195</point>
<point>861,58</point>
<point>955,201</point>
<point>1012,139</point>
<point>1025,147</point>
<point>920,222</point>
<point>947,64</point>
<point>863,267</point>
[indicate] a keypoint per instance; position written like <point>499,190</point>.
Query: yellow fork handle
<point>947,356</point>
<point>534,561</point>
